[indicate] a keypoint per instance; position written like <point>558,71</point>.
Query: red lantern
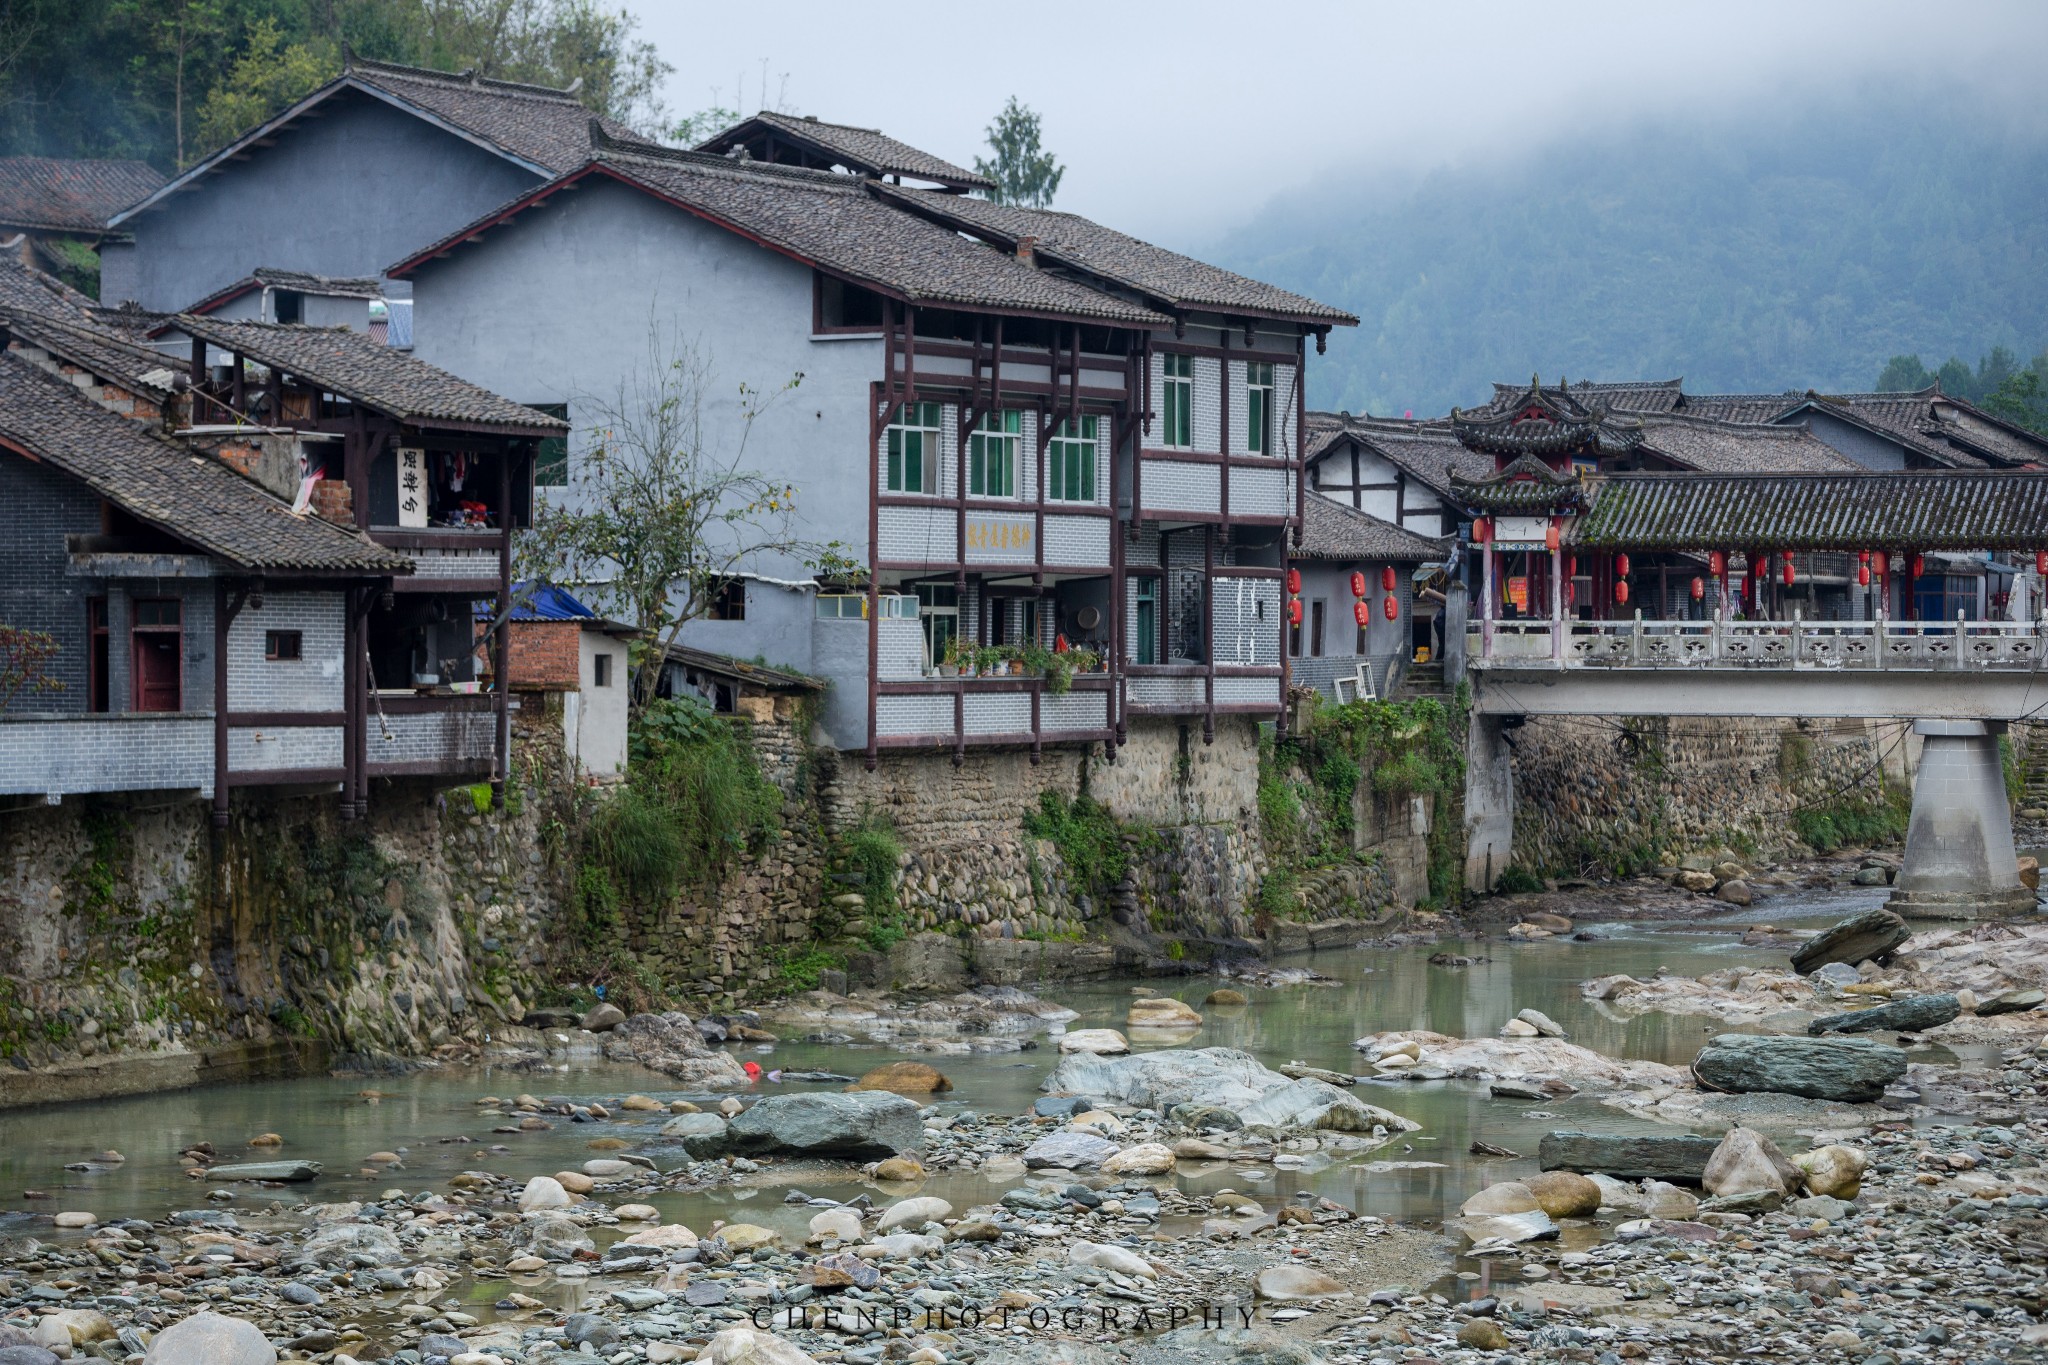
<point>1391,606</point>
<point>1699,589</point>
<point>1919,565</point>
<point>1762,567</point>
<point>1863,556</point>
<point>1621,566</point>
<point>1387,578</point>
<point>1571,592</point>
<point>1551,538</point>
<point>1571,566</point>
<point>1717,563</point>
<point>1294,580</point>
<point>1862,575</point>
<point>2041,562</point>
<point>1361,613</point>
<point>1621,591</point>
<point>1482,531</point>
<point>1357,584</point>
<point>1294,611</point>
<point>1788,571</point>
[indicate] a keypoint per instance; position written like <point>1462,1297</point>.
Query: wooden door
<point>159,648</point>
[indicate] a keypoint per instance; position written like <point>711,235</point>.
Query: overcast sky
<point>1177,120</point>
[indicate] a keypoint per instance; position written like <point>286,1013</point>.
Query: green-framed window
<point>551,457</point>
<point>1070,462</point>
<point>913,465</point>
<point>1177,402</point>
<point>992,455</point>
<point>1258,407</point>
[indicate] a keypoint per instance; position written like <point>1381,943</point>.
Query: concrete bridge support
<point>1489,801</point>
<point>1960,862</point>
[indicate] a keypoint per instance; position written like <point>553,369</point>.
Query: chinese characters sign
<point>412,486</point>
<point>1000,540</point>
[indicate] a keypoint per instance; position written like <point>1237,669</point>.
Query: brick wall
<point>38,508</point>
<point>545,654</point>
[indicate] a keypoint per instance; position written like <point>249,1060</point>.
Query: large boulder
<point>543,1193</point>
<point>1311,1103</point>
<point>864,1123</point>
<point>671,1043</point>
<point>1564,1194</point>
<point>348,1245</point>
<point>287,1172</point>
<point>1747,1162</point>
<point>1162,1012</point>
<point>1147,1158</point>
<point>904,1078</point>
<point>750,1346</point>
<point>1219,1077</point>
<point>211,1339</point>
<point>1100,1040</point>
<point>1659,1157</point>
<point>1863,938</point>
<point>701,1134</point>
<point>1914,1014</point>
<point>1833,1170</point>
<point>1069,1150</point>
<point>1509,1196</point>
<point>1855,1070</point>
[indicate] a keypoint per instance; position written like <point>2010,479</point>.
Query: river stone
<point>750,1346</point>
<point>73,1327</point>
<point>702,1135</point>
<point>1318,1104</point>
<point>1663,1200</point>
<point>211,1339</point>
<point>1102,1041</point>
<point>1564,1194</point>
<point>748,1236</point>
<point>557,1239</point>
<point>836,1225</point>
<point>1225,996</point>
<point>1286,1282</point>
<point>1833,1170</point>
<point>1855,1070</point>
<point>2011,1002</point>
<point>27,1354</point>
<point>339,1244</point>
<point>1747,1162</point>
<point>1147,1158</point>
<point>1216,1076</point>
<point>1660,1157</point>
<point>1533,1226</point>
<point>914,1213</point>
<point>1111,1258</point>
<point>864,1123</point>
<point>902,1246</point>
<point>670,1043</point>
<point>1518,1028</point>
<point>290,1172</point>
<point>1162,1012</point>
<point>1484,1334</point>
<point>1069,1151</point>
<point>1542,1023</point>
<point>1914,1014</point>
<point>667,1235</point>
<point>604,1018</point>
<point>1864,937</point>
<point>637,1213</point>
<point>904,1078</point>
<point>609,1168</point>
<point>543,1192</point>
<point>1509,1196</point>
<point>575,1182</point>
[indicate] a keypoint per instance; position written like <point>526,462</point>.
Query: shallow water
<point>431,1119</point>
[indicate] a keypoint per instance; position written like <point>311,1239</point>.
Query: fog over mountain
<point>1741,254</point>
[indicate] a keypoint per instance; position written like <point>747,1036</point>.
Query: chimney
<point>1027,251</point>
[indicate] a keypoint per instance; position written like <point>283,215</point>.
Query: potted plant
<point>989,659</point>
<point>949,666</point>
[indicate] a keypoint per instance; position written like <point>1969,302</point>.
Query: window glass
<point>1178,402</point>
<point>158,612</point>
<point>1258,406</point>
<point>992,455</point>
<point>601,670</point>
<point>938,608</point>
<point>1147,624</point>
<point>913,462</point>
<point>1070,462</point>
<point>283,646</point>
<point>551,458</point>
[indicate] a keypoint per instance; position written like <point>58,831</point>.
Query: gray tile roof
<point>298,281</point>
<point>859,149</point>
<point>834,222</point>
<point>1330,530</point>
<point>368,372</point>
<point>1955,510</point>
<point>1637,396</point>
<point>194,497</point>
<point>28,290</point>
<point>1727,448</point>
<point>548,128</point>
<point>47,194</point>
<point>1427,450</point>
<point>101,352</point>
<point>1071,241</point>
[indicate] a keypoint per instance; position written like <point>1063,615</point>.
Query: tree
<point>25,657</point>
<point>1023,175</point>
<point>662,511</point>
<point>267,76</point>
<point>2022,398</point>
<point>1903,374</point>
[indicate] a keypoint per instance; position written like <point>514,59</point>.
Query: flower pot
<point>949,670</point>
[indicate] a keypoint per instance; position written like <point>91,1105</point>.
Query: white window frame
<point>986,443</point>
<point>924,422</point>
<point>1177,392</point>
<point>1086,447</point>
<point>1258,393</point>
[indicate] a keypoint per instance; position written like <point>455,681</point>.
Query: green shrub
<point>1516,880</point>
<point>1853,823</point>
<point>1089,839</point>
<point>872,852</point>
<point>637,838</point>
<point>800,969</point>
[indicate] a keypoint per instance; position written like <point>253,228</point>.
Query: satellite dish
<point>1088,618</point>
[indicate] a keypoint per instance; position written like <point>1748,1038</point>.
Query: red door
<point>159,640</point>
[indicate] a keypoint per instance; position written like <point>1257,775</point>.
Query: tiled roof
<point>44,193</point>
<point>1963,424</point>
<point>833,221</point>
<point>1639,396</point>
<point>1955,510</point>
<point>1069,240</point>
<point>298,281</point>
<point>194,497</point>
<point>859,149</point>
<point>1548,422</point>
<point>1524,484</point>
<point>1330,530</point>
<point>28,290</point>
<point>1427,450</point>
<point>1726,448</point>
<point>368,372</point>
<point>99,351</point>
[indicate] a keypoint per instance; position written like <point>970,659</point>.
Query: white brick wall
<point>314,682</point>
<point>901,650</point>
<point>1209,404</point>
<point>107,754</point>
<point>913,715</point>
<point>278,747</point>
<point>1247,621</point>
<point>1170,486</point>
<point>438,736</point>
<point>1078,541</point>
<point>1074,711</point>
<point>1000,713</point>
<point>918,534</point>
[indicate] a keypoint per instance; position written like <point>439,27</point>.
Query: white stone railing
<point>1795,644</point>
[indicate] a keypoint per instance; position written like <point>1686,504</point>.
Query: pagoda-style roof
<point>1525,487</point>
<point>1925,510</point>
<point>1546,422</point>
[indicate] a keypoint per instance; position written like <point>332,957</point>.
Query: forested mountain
<point>1799,253</point>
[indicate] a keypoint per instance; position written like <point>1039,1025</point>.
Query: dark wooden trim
<point>1202,671</point>
<point>432,767</point>
<point>937,568</point>
<point>222,619</point>
<point>317,720</point>
<point>936,388</point>
<point>927,687</point>
<point>1211,457</point>
<point>467,587</point>
<point>940,501</point>
<point>1237,353</point>
<point>392,538</point>
<point>1208,713</point>
<point>430,705</point>
<point>1026,355</point>
<point>285,777</point>
<point>877,410</point>
<point>939,743</point>
<point>501,609</point>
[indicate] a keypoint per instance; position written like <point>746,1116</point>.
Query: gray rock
<point>1855,1070</point>
<point>1311,1103</point>
<point>290,1172</point>
<point>1160,1080</point>
<point>1822,1206</point>
<point>343,1243</point>
<point>1681,1158</point>
<point>604,1018</point>
<point>702,1135</point>
<point>2011,1002</point>
<point>670,1043</point>
<point>1532,1226</point>
<point>1914,1014</point>
<point>1069,1151</point>
<point>1865,937</point>
<point>211,1339</point>
<point>858,1123</point>
<point>27,1355</point>
<point>441,1344</point>
<point>589,1329</point>
<point>303,1295</point>
<point>557,1239</point>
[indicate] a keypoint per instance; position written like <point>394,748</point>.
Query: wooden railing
<point>1639,643</point>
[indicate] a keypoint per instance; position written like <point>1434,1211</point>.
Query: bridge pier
<point>1960,862</point>
<point>1489,801</point>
